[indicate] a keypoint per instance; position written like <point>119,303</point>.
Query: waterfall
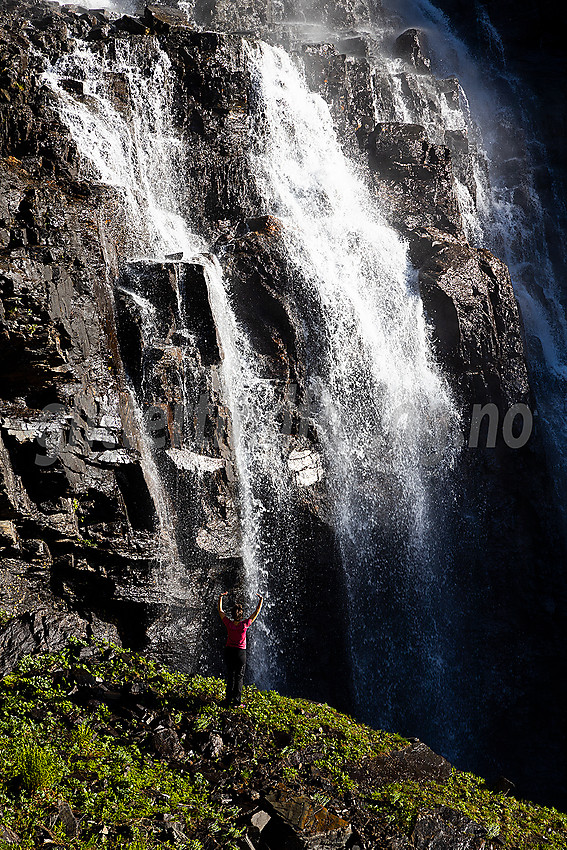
<point>507,214</point>
<point>259,454</point>
<point>120,119</point>
<point>511,639</point>
<point>382,423</point>
<point>384,417</point>
<point>381,407</point>
<point>121,122</point>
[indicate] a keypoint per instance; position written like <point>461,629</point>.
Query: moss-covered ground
<point>81,727</point>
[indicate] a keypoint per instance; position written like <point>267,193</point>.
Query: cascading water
<point>496,158</point>
<point>259,458</point>
<point>117,6</point>
<point>505,212</point>
<point>381,407</point>
<point>121,124</point>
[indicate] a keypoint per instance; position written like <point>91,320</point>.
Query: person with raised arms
<point>235,649</point>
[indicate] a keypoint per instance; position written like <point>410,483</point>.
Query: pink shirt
<point>236,632</point>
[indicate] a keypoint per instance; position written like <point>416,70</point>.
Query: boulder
<point>443,828</point>
<point>165,742</point>
<point>297,823</point>
<point>416,762</point>
<point>469,300</point>
<point>260,819</point>
<point>8,835</point>
<point>162,19</point>
<point>8,534</point>
<point>37,632</point>
<point>133,26</point>
<point>411,47</point>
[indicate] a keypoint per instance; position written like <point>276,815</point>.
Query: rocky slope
<point>87,519</point>
<point>100,747</point>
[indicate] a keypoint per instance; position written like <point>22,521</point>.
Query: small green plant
<point>207,717</point>
<point>321,798</point>
<point>34,766</point>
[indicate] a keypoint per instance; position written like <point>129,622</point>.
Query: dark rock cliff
<point>142,534</point>
<point>531,48</point>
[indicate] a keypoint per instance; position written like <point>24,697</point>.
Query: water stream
<point>506,212</point>
<point>380,404</point>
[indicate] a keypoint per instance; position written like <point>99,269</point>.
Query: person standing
<point>235,649</point>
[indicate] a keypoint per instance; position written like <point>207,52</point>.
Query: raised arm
<point>258,608</point>
<point>219,605</point>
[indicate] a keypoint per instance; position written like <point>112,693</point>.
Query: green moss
<point>517,823</point>
<point>53,747</point>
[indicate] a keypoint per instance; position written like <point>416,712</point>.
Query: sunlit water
<point>385,419</point>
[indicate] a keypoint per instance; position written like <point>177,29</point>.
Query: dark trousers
<point>235,666</point>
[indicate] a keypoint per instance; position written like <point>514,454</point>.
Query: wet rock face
<point>468,296</point>
<point>76,324</point>
<point>411,47</point>
<point>414,179</point>
<point>82,518</point>
<point>255,15</point>
<point>257,265</point>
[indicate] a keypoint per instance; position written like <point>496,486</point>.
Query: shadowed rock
<point>411,47</point>
<point>416,762</point>
<point>445,829</point>
<point>38,632</point>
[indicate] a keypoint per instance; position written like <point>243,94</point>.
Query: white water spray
<point>259,451</point>
<point>122,126</point>
<point>115,6</point>
<point>508,215</point>
<point>382,407</point>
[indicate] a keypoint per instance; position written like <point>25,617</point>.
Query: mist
<point>120,7</point>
